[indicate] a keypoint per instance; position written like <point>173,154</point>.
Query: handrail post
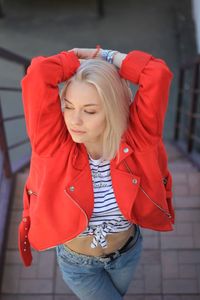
<point>100,8</point>
<point>3,143</point>
<point>193,108</point>
<point>2,14</point>
<point>179,105</point>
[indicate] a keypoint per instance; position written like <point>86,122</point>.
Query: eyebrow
<point>93,104</point>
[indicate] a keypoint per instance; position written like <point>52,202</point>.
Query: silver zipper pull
<point>30,192</point>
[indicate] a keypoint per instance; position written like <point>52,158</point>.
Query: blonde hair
<point>115,95</point>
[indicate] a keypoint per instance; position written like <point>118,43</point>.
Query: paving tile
<point>46,264</point>
<point>181,297</point>
<point>187,271</point>
<point>35,286</point>
<point>182,166</point>
<point>179,178</point>
<point>10,282</point>
<point>18,193</point>
<point>187,215</point>
<point>27,297</point>
<point>28,273</point>
<point>9,297</point>
<point>151,242</point>
<point>136,287</point>
<point>35,297</point>
<point>140,272</point>
<point>148,232</point>
<point>65,297</point>
<point>189,257</point>
<point>152,286</point>
<point>172,297</point>
<point>198,276</point>
<point>16,216</point>
<point>170,264</point>
<point>181,230</point>
<point>135,297</point>
<point>194,183</point>
<point>190,297</point>
<point>177,242</point>
<point>196,234</point>
<point>150,257</point>
<point>13,236</point>
<point>12,257</point>
<point>187,202</point>
<point>180,286</point>
<point>18,201</point>
<point>180,190</point>
<point>35,255</point>
<point>153,297</point>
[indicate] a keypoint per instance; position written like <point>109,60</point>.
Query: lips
<point>77,131</point>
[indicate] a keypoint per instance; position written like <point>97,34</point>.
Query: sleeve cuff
<point>70,63</point>
<point>133,64</point>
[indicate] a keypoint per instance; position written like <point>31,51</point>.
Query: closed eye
<point>67,107</point>
<point>88,112</point>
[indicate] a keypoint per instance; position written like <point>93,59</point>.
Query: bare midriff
<point>115,241</point>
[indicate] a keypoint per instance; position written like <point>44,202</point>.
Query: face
<point>83,114</point>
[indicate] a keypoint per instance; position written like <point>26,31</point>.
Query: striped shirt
<point>106,217</point>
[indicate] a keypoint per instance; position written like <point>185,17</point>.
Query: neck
<point>95,155</point>
<point>95,151</point>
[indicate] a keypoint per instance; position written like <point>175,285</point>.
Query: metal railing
<point>187,122</point>
<point>8,171</point>
<point>24,62</point>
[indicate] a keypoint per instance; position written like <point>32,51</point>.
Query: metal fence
<point>8,171</point>
<point>187,123</point>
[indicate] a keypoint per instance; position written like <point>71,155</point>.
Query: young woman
<point>98,168</point>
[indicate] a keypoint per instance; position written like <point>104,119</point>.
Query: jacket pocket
<point>166,212</point>
<point>167,182</point>
<point>169,212</point>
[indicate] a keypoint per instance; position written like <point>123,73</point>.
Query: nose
<point>76,118</point>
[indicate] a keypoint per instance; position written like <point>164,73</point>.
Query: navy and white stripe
<point>106,217</point>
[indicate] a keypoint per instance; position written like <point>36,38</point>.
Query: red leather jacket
<point>58,194</point>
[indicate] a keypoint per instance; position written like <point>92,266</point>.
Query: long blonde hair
<point>115,95</point>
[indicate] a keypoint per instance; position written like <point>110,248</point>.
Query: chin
<point>77,139</point>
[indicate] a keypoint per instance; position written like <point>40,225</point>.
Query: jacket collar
<point>124,151</point>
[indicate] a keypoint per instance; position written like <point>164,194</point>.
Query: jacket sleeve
<point>147,111</point>
<point>42,107</point>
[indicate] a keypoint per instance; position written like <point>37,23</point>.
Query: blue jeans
<point>96,278</point>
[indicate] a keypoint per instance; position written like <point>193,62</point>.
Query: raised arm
<point>147,111</point>
<point>42,107</point>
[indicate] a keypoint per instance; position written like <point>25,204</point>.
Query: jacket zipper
<point>30,192</point>
<point>156,204</point>
<point>78,206</point>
